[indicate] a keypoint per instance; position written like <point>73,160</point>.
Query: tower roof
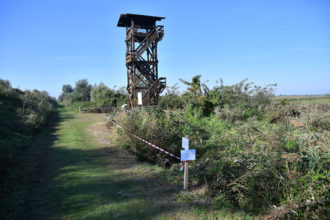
<point>139,20</point>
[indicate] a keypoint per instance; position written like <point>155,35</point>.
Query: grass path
<point>99,181</point>
<point>83,176</point>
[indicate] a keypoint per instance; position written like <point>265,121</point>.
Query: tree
<point>81,91</point>
<point>100,92</point>
<point>4,85</point>
<point>66,95</point>
<point>194,87</point>
<point>67,88</point>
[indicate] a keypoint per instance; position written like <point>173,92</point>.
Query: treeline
<point>91,96</point>
<point>22,114</point>
<point>255,153</point>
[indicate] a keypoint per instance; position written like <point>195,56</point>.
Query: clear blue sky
<point>45,44</point>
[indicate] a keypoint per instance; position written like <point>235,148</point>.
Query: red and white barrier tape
<point>150,144</point>
<point>154,146</point>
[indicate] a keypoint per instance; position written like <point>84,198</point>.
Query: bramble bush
<point>171,101</point>
<point>22,114</point>
<point>261,155</point>
<point>154,125</point>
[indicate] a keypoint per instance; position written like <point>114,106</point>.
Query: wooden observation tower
<point>142,37</point>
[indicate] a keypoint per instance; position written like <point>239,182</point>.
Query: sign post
<point>185,178</point>
<point>186,155</point>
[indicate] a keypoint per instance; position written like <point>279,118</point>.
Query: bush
<point>171,101</point>
<point>104,96</point>
<point>257,170</point>
<point>22,114</point>
<point>245,98</point>
<point>155,126</point>
<point>260,155</point>
<point>99,92</point>
<point>97,97</point>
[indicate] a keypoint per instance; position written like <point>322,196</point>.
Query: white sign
<point>188,155</point>
<point>139,98</point>
<point>185,143</point>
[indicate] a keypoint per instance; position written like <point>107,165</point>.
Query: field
<point>305,100</point>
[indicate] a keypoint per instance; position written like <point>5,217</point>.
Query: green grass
<point>72,174</point>
<point>88,188</point>
<point>73,108</point>
<point>306,100</point>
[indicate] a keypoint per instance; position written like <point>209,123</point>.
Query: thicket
<point>261,155</point>
<point>172,99</point>
<point>91,97</point>
<point>22,114</point>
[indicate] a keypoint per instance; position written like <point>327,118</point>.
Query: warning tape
<point>150,144</point>
<point>154,146</point>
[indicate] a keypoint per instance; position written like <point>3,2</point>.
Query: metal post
<point>185,179</point>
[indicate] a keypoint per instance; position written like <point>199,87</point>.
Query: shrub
<point>279,112</point>
<point>99,92</point>
<point>155,126</point>
<point>244,97</point>
<point>260,155</point>
<point>231,114</point>
<point>250,168</point>
<point>98,96</point>
<point>104,96</point>
<point>171,101</point>
<point>22,114</point>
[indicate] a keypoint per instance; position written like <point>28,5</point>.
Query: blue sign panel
<point>187,155</point>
